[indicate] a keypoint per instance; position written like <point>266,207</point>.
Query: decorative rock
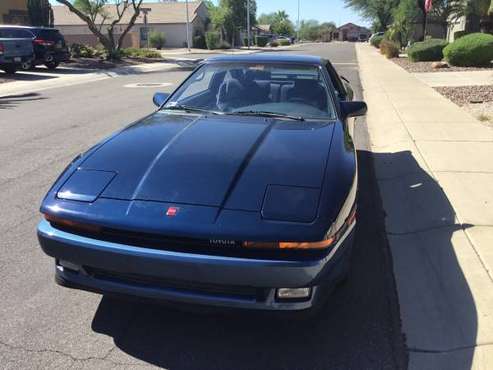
<point>439,65</point>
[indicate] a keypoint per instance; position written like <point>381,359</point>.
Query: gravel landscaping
<point>418,67</point>
<point>478,100</point>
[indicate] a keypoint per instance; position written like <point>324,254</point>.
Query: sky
<point>321,10</point>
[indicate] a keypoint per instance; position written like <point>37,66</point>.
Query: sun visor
<point>290,203</point>
<point>85,185</point>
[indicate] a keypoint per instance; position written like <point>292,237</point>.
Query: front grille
<point>227,291</point>
<point>192,245</point>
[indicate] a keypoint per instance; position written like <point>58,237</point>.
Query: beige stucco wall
<point>13,11</point>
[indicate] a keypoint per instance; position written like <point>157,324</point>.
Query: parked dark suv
<point>50,48</point>
<point>49,45</point>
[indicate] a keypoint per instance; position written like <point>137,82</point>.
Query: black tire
<point>27,66</point>
<point>10,69</point>
<point>52,65</point>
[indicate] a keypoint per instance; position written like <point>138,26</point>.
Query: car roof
<point>267,58</point>
<point>27,27</point>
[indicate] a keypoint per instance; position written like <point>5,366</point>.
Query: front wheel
<point>51,65</point>
<point>9,69</point>
<point>26,66</point>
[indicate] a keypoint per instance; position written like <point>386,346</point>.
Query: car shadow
<point>358,328</point>
<point>26,76</point>
<point>10,101</point>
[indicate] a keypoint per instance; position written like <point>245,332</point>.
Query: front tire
<point>52,65</point>
<point>10,69</point>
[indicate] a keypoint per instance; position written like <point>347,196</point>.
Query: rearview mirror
<point>159,98</point>
<point>353,108</point>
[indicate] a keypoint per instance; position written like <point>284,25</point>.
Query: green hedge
<point>376,40</point>
<point>474,50</point>
<point>212,40</point>
<point>261,41</point>
<point>459,34</point>
<point>283,42</point>
<point>139,53</point>
<point>198,42</point>
<point>389,48</point>
<point>427,51</point>
<point>157,39</point>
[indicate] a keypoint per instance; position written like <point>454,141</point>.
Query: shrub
<point>84,51</point>
<point>157,40</point>
<point>224,45</point>
<point>283,42</point>
<point>261,41</point>
<point>199,42</point>
<point>389,48</point>
<point>459,34</point>
<point>427,51</point>
<point>139,53</point>
<point>212,40</point>
<point>474,50</point>
<point>274,44</point>
<point>376,40</point>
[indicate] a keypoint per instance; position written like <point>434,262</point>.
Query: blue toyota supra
<point>239,191</point>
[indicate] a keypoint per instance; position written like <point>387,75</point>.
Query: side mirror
<point>353,108</point>
<point>159,98</point>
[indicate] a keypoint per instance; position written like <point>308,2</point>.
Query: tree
<point>40,13</point>
<point>236,11</point>
<point>378,11</point>
<point>96,14</point>
<point>266,18</point>
<point>281,24</point>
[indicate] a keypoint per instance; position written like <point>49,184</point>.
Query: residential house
<point>168,17</point>
<point>351,32</point>
<point>14,12</point>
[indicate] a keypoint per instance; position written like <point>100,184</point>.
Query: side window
<point>23,34</point>
<point>336,81</point>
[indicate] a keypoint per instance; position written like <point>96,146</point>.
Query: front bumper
<point>166,267</point>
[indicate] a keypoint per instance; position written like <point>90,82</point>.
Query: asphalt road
<point>46,326</point>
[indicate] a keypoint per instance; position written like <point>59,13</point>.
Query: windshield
<point>246,88</point>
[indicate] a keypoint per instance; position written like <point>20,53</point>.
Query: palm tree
<point>281,16</point>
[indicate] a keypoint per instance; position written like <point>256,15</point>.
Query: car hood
<point>217,161</point>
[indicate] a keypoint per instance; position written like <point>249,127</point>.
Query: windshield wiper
<point>187,108</point>
<point>267,114</point>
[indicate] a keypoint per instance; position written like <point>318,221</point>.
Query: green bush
<point>283,42</point>
<point>459,34</point>
<point>198,42</point>
<point>427,51</point>
<point>376,40</point>
<point>261,41</point>
<point>389,48</point>
<point>139,53</point>
<point>212,40</point>
<point>84,51</point>
<point>224,45</point>
<point>157,40</point>
<point>474,50</point>
<point>274,44</point>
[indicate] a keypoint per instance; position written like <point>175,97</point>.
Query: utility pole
<point>248,22</point>
<point>188,27</point>
<point>146,28</point>
<point>298,31</point>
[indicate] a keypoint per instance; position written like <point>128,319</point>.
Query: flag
<point>428,5</point>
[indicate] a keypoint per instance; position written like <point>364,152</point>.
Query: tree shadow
<point>10,101</point>
<point>358,328</point>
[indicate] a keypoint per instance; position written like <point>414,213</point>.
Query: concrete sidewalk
<point>434,167</point>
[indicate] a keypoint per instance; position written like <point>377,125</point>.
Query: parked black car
<point>50,48</point>
<point>49,45</point>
